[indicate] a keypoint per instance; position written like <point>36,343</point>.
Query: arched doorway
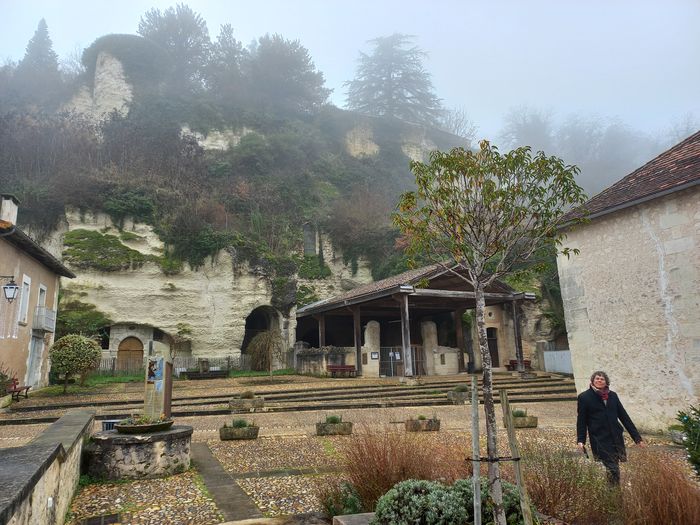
<point>262,319</point>
<point>130,354</point>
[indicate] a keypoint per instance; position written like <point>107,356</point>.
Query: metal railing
<point>115,366</point>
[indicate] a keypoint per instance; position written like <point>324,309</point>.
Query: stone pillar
<point>372,333</point>
<point>428,331</point>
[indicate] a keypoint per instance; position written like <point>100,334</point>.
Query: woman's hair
<point>602,374</point>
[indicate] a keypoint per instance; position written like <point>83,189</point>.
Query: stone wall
<point>39,479</point>
<point>631,305</point>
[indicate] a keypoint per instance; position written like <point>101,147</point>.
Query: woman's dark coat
<point>601,423</point>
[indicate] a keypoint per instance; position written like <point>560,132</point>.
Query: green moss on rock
<point>92,250</point>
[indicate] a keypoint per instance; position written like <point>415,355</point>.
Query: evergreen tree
<point>37,80</point>
<point>282,77</point>
<point>224,76</point>
<point>184,34</point>
<point>393,82</point>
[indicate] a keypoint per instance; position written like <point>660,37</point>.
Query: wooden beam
<point>459,332</point>
<point>357,326</point>
<point>456,294</point>
<point>321,329</point>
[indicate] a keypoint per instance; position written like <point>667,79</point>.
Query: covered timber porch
<point>400,316</point>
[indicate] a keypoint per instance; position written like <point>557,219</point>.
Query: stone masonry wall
<point>632,305</point>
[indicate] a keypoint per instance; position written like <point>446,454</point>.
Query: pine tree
<point>37,78</point>
<point>393,82</point>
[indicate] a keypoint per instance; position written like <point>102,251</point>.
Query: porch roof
<point>445,292</point>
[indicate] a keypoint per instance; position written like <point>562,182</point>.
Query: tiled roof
<point>21,240</point>
<point>673,170</point>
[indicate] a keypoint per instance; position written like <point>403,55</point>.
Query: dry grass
<point>564,485</point>
<point>374,460</point>
<point>655,489</point>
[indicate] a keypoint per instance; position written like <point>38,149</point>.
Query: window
<point>442,359</point>
<point>24,299</point>
<point>42,296</point>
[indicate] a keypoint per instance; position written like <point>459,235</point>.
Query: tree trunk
<point>495,489</point>
<point>65,383</point>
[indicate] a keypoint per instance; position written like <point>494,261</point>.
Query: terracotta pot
<point>144,429</point>
<point>334,429</point>
<point>227,433</point>
<point>422,425</point>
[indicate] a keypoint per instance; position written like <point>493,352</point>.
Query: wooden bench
<point>16,390</point>
<point>513,365</point>
<point>344,370</point>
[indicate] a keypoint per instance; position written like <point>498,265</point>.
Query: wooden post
<point>459,332</point>
<point>168,392</point>
<point>515,453</point>
<point>476,452</point>
<point>518,339</point>
<point>321,330</point>
<point>357,330</point>
<point>406,336</point>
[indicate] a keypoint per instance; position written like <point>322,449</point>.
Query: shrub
<point>375,459</point>
<point>421,417</point>
<point>334,420</point>
<point>74,354</point>
<point>239,423</point>
<point>656,490</point>
<point>691,427</point>
<point>247,394</point>
<point>338,497</point>
<point>428,503</point>
<point>419,501</point>
<point>519,412</point>
<point>461,388</point>
<point>6,376</point>
<point>565,485</point>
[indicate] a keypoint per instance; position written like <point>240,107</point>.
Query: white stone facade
<point>632,305</point>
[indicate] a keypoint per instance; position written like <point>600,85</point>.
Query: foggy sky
<point>638,61</point>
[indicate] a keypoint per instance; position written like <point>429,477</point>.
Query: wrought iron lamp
<point>10,289</point>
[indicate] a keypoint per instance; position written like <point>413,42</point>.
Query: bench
<point>210,374</point>
<point>16,390</point>
<point>344,370</point>
<point>513,365</point>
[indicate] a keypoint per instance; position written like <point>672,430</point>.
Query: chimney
<point>8,208</point>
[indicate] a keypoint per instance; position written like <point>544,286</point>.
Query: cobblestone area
<point>177,500</point>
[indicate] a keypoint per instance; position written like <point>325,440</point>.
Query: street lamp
<point>10,289</point>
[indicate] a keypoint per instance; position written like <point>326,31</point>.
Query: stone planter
<point>238,404</point>
<point>144,429</point>
<point>422,425</point>
<point>113,456</point>
<point>524,422</point>
<point>227,433</point>
<point>458,398</point>
<point>334,429</point>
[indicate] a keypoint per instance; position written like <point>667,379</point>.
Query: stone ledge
<point>353,519</point>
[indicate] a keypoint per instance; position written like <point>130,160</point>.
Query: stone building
<point>400,326</point>
<point>632,296</point>
<point>27,323</point>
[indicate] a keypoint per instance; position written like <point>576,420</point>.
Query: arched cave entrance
<point>262,319</point>
<point>130,354</point>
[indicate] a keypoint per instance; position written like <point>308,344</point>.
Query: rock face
<point>214,300</point>
<point>218,139</point>
<point>110,92</point>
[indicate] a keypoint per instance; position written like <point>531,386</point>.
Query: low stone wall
<point>38,480</point>
<point>139,456</point>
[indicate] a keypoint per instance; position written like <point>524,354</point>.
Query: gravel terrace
<point>288,442</point>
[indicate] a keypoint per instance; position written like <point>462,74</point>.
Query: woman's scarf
<point>602,392</point>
